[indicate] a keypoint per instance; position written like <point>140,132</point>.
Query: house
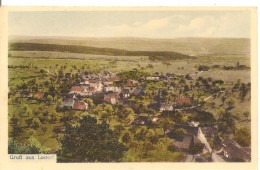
<point>183,101</point>
<point>129,83</point>
<point>153,78</point>
<point>25,95</point>
<point>38,95</point>
<point>68,103</point>
<point>82,106</point>
<point>76,90</point>
<point>170,75</point>
<point>125,93</point>
<point>68,75</point>
<point>111,98</point>
<point>183,142</point>
<point>138,91</point>
<point>163,77</point>
<point>234,152</point>
<point>111,80</point>
<point>83,90</point>
<point>166,107</point>
<point>112,89</point>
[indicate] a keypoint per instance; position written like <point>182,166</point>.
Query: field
<point>49,59</point>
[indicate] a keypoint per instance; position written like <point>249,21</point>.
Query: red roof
<point>39,95</point>
<point>183,100</point>
<point>79,106</point>
<point>112,79</point>
<point>76,88</point>
<point>93,81</point>
<point>92,89</point>
<point>129,83</point>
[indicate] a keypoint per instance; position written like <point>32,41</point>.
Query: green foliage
<point>126,138</point>
<point>226,123</point>
<point>149,66</point>
<point>243,137</point>
<point>196,148</point>
<point>16,148</point>
<point>90,142</point>
<point>33,147</point>
<point>180,131</point>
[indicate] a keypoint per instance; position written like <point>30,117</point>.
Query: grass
<point>127,63</point>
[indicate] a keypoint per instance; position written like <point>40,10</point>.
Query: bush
<point>171,148</point>
<point>196,148</point>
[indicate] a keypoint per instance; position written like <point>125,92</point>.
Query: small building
<point>76,90</point>
<point>112,89</point>
<point>111,80</point>
<point>166,107</point>
<point>129,83</point>
<point>38,95</point>
<point>68,75</point>
<point>125,93</point>
<point>111,98</point>
<point>183,142</point>
<point>138,91</point>
<point>183,101</point>
<point>234,152</point>
<point>153,78</point>
<point>82,106</point>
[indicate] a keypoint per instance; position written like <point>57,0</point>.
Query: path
<point>49,72</point>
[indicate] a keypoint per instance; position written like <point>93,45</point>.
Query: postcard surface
<point>128,87</point>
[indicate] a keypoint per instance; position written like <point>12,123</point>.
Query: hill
<point>160,55</point>
<point>187,46</point>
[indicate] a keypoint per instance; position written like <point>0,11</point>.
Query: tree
<point>223,99</point>
<point>49,99</point>
<point>246,114</point>
<point>126,138</point>
<point>90,103</point>
<point>165,124</point>
<point>28,122</point>
<point>90,142</point>
<point>243,137</point>
<point>36,123</point>
<point>149,66</point>
<point>44,129</point>
<point>17,148</point>
<point>226,123</point>
<point>231,102</point>
<point>180,131</point>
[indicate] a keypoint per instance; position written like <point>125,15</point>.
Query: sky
<point>147,24</point>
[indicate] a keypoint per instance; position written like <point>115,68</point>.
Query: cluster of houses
<point>105,84</point>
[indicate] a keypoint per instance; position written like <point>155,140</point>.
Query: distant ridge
<point>160,55</point>
<point>188,46</point>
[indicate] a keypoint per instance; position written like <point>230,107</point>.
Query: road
<point>190,158</point>
<point>49,72</point>
<point>215,157</point>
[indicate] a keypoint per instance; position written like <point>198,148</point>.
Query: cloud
<point>152,25</point>
<point>224,25</point>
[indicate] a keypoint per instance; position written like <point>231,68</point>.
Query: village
<point>125,100</point>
